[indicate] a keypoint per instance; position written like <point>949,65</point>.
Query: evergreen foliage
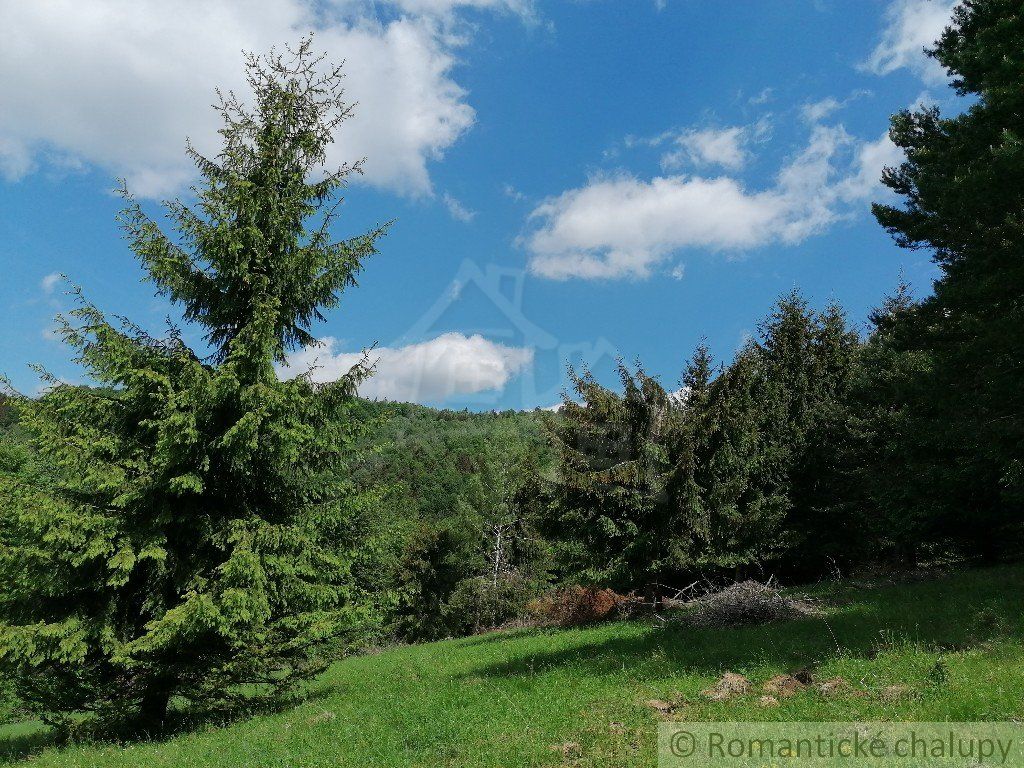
<point>610,501</point>
<point>883,448</point>
<point>736,502</point>
<point>764,438</point>
<point>185,529</point>
<point>734,472</point>
<point>962,187</point>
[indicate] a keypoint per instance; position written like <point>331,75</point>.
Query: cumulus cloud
<point>622,226</point>
<point>911,26</point>
<point>119,85</point>
<point>871,158</point>
<point>432,371</point>
<point>727,147</point>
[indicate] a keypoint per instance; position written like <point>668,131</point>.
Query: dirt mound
<point>836,686</point>
<point>896,692</point>
<point>783,686</point>
<point>729,686</point>
<point>658,705</point>
<point>746,603</point>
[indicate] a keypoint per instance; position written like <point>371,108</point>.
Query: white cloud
<point>15,159</point>
<point>454,292</point>
<point>621,226</point>
<point>457,210</point>
<point>513,193</point>
<point>710,146</point>
<point>726,147</point>
<point>678,271</point>
<point>431,371</point>
<point>49,282</point>
<point>872,157</point>
<point>119,84</point>
<point>911,26</point>
<point>816,111</point>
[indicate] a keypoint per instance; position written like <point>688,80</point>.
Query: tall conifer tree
<point>187,535</point>
<point>612,510</point>
<point>962,188</point>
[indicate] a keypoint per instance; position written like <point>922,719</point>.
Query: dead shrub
<point>747,603</point>
<point>575,606</point>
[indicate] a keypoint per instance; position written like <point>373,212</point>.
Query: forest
<point>191,534</point>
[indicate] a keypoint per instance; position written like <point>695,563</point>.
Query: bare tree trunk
<point>153,708</point>
<point>498,530</point>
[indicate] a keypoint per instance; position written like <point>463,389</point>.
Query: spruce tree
<point>809,358</point>
<point>739,470</point>
<point>186,533</point>
<point>886,450</point>
<point>755,479</point>
<point>612,512</point>
<point>684,485</point>
<point>962,190</point>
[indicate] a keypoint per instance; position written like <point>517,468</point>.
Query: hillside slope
<point>954,646</point>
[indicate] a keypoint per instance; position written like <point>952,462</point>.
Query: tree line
<point>814,449</point>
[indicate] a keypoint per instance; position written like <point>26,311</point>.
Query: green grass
<point>516,698</point>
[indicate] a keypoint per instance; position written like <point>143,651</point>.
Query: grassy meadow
<point>950,648</point>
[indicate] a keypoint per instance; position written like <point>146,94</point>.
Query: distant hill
<point>430,453</point>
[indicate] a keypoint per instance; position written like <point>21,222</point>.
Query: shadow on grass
<point>20,746</point>
<point>503,635</point>
<point>23,740</point>
<point>948,614</point>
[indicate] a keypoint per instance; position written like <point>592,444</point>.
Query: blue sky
<point>572,180</point>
